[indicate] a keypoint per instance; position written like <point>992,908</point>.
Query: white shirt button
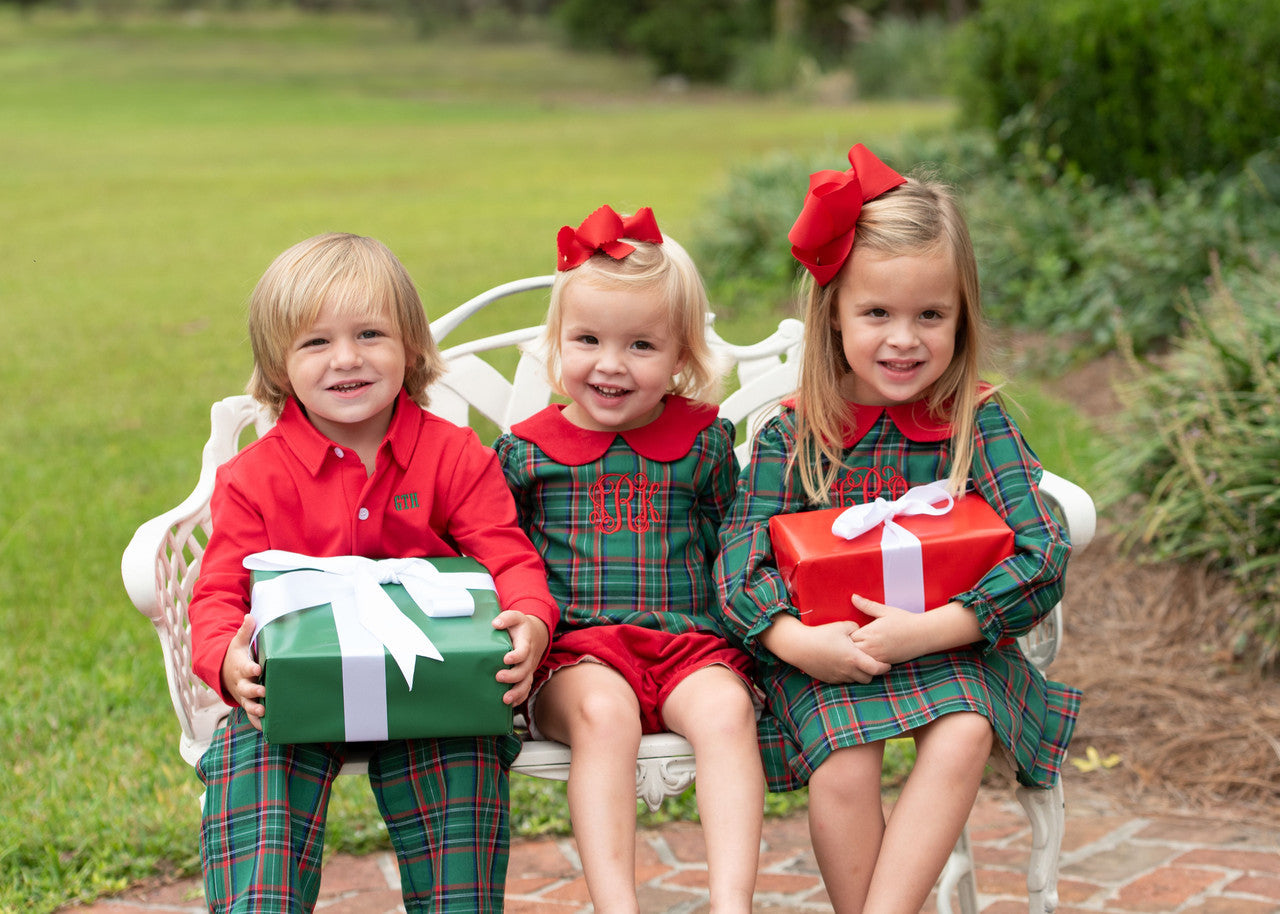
<point>363,514</point>
<point>340,452</point>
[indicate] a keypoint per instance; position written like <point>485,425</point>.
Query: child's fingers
<point>870,607</point>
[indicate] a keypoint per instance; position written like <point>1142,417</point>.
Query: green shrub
<point>1071,256</point>
<point>699,44</point>
<point>1198,456</point>
<point>1146,89</point>
<point>740,241</point>
<point>906,58</point>
<point>1057,252</point>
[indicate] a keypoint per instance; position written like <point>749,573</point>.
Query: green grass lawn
<point>151,170</point>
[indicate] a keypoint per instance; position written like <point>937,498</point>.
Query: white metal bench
<point>162,560</point>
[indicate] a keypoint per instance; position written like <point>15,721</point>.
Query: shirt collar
<point>667,438</point>
<point>912,419</point>
<point>311,447</point>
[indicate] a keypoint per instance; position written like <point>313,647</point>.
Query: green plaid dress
<point>887,450</point>
<point>627,523</point>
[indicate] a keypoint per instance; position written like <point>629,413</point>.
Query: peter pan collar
<point>912,419</point>
<point>667,438</point>
<point>311,447</point>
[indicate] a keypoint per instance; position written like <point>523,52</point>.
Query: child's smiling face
<point>618,355</point>
<point>347,370</point>
<point>897,319</point>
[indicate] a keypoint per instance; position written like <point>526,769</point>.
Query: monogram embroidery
<point>622,500</point>
<point>865,484</point>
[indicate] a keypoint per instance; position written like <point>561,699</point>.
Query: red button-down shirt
<point>435,491</point>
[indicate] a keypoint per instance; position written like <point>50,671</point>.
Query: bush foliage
<point>700,46</point>
<point>1147,89</point>
<point>1056,251</point>
<point>1200,447</point>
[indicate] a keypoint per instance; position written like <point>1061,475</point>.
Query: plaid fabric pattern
<point>627,539</point>
<point>1032,718</point>
<point>444,801</point>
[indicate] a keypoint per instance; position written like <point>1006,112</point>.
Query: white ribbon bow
<point>901,556</point>
<point>353,585</point>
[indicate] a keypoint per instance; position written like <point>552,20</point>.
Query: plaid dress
<point>628,522</point>
<point>887,450</point>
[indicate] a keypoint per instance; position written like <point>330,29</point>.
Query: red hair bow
<point>603,231</point>
<point>822,235</point>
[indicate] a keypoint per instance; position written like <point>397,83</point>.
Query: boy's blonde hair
<point>668,271</point>
<point>361,277</point>
<point>920,217</point>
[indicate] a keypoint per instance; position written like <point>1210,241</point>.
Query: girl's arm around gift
<point>757,612</point>
<point>1013,596</point>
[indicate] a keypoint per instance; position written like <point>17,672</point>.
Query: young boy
<point>343,356</point>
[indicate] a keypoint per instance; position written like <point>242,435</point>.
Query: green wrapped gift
<point>347,655</point>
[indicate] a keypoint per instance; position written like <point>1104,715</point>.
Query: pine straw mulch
<point>1195,730</point>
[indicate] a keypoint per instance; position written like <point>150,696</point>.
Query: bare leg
<point>951,753</point>
<point>592,709</point>
<point>846,823</point>
<point>712,709</point>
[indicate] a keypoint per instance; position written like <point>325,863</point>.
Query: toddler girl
<point>889,397</point>
<point>622,491</point>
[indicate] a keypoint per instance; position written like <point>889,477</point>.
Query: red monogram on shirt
<point>864,484</point>
<point>622,500</point>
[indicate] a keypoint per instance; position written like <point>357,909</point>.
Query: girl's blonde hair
<point>360,276</point>
<point>920,217</point>
<point>666,270</point>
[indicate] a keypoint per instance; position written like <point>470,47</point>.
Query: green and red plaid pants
<point>445,802</point>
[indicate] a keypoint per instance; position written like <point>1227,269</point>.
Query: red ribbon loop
<point>603,231</point>
<point>822,235</point>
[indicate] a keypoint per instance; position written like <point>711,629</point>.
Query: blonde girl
<point>890,397</point>
<point>622,490</point>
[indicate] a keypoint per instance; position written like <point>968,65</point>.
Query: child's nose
<point>902,334</point>
<point>346,354</point>
<point>609,360</point>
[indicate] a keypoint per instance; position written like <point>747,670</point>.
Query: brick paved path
<point>1111,862</point>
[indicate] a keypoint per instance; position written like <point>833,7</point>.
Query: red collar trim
<point>912,419</point>
<point>311,447</point>
<point>667,438</point>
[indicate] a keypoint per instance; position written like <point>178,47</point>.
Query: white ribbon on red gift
<point>901,555</point>
<point>368,622</point>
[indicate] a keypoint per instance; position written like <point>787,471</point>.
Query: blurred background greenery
<point>157,154</point>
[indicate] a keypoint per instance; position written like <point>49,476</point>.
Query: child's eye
<point>642,345</point>
<point>370,334</point>
<point>313,341</point>
<point>876,312</point>
<point>587,339</point>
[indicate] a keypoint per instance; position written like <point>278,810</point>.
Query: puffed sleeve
<point>1022,589</point>
<point>751,588</point>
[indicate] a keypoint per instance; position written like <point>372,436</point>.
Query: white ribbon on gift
<point>901,555</point>
<point>368,622</point>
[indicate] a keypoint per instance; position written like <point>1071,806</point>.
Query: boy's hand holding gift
<point>240,673</point>
<point>529,639</point>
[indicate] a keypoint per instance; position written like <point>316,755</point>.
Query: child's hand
<point>240,674</point>
<point>895,635</point>
<point>825,652</point>
<point>529,637</point>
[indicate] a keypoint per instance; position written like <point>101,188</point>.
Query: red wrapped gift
<point>913,553</point>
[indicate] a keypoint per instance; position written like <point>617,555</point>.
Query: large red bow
<point>822,235</point>
<point>603,231</point>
